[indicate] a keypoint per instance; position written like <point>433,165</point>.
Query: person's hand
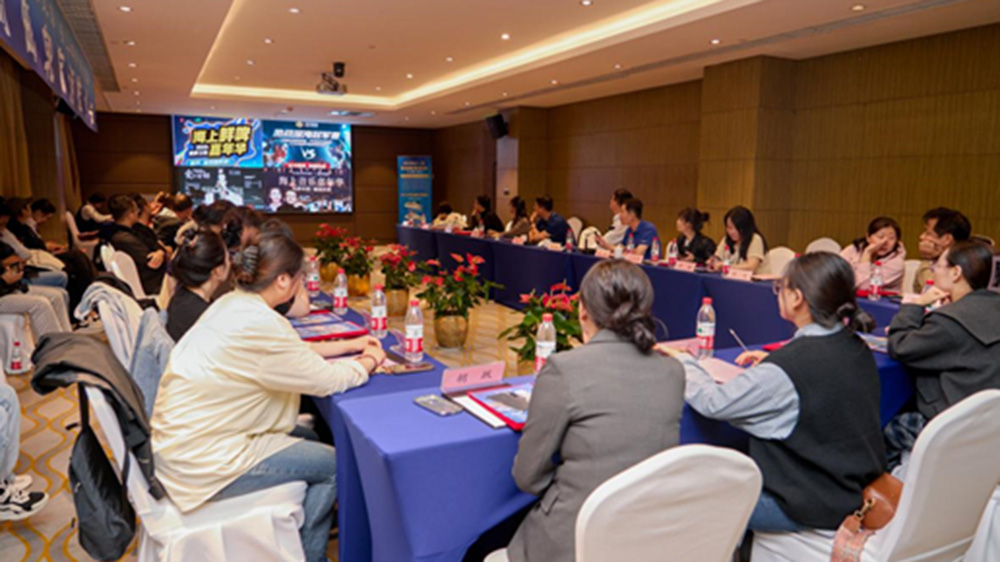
<point>928,249</point>
<point>753,358</point>
<point>156,259</point>
<point>713,263</point>
<point>931,296</point>
<point>374,350</point>
<point>11,275</point>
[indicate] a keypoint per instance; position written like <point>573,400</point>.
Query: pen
<point>738,340</point>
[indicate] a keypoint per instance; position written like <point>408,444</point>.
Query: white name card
<point>739,274</point>
<point>518,240</point>
<point>634,258</point>
<point>688,266</point>
<point>603,253</point>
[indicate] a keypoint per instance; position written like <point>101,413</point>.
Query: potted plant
<point>452,294</point>
<point>565,310</point>
<point>327,241</point>
<point>400,274</point>
<point>357,263</point>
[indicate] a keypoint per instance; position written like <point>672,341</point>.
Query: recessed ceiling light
<point>406,118</point>
<point>211,107</point>
<point>618,66</point>
<point>467,104</point>
<point>136,92</point>
<point>409,76</point>
<point>236,77</point>
<point>135,80</point>
<point>554,81</point>
<point>125,9</point>
<point>504,94</point>
<point>858,8</point>
<point>505,36</point>
<point>586,2</point>
<point>716,41</point>
<point>378,88</point>
<point>293,10</point>
<point>138,111</point>
<point>434,112</point>
<point>131,65</point>
<point>268,40</point>
<point>130,43</point>
<point>449,59</point>
<point>249,62</point>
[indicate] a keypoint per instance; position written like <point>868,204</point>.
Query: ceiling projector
<point>328,83</point>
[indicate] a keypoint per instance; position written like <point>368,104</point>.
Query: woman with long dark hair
<point>595,410</point>
<point>519,224</point>
<point>201,266</point>
<point>744,246</point>
<point>880,246</point>
<point>692,245</point>
<point>229,398</point>
<point>811,408</point>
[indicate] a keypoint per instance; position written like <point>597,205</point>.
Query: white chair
<point>692,502</point>
<point>910,268</point>
<point>576,225</point>
<point>15,328</point>
<point>777,260</point>
<point>262,525</point>
<point>952,472</point>
<point>823,245</point>
<point>124,268</point>
<point>86,246</point>
<point>986,546</point>
<point>107,257</point>
<point>587,239</point>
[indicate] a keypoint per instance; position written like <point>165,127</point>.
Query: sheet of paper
<point>480,412</point>
<point>689,345</point>
<point>721,371</point>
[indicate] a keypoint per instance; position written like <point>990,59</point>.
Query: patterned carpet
<point>46,443</point>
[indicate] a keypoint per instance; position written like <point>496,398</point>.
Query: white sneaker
<point>18,504</point>
<point>22,481</point>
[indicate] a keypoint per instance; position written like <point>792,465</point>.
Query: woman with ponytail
<point>229,398</point>
<point>598,409</point>
<point>811,408</point>
<point>201,266</point>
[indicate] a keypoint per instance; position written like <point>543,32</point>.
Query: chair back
<point>121,333</point>
<point>777,260</point>
<point>107,257</point>
<point>587,239</point>
<point>951,476</point>
<point>910,268</point>
<point>74,232</point>
<point>124,268</point>
<point>576,225</point>
<point>692,502</point>
<point>823,245</point>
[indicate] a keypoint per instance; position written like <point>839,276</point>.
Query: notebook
<point>330,331</point>
<point>315,319</point>
<point>510,403</point>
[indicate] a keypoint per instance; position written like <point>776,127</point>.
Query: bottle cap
<point>929,282</point>
<point>878,263</point>
<point>17,344</point>
<point>414,302</point>
<point>706,300</point>
<point>378,287</point>
<point>547,317</point>
<point>339,271</point>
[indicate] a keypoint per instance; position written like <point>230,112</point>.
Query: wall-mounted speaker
<point>497,125</point>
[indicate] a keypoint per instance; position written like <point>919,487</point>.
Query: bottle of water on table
<point>380,321</point>
<point>340,293</point>
<point>413,341</point>
<point>654,251</point>
<point>706,329</point>
<point>875,283</point>
<point>545,341</point>
<point>672,253</point>
<point>312,277</point>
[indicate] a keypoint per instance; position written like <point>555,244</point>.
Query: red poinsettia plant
<point>356,256</point>
<point>565,310</point>
<point>399,268</point>
<point>328,242</point>
<point>454,293</point>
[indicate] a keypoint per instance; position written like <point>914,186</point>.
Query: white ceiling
<point>191,56</point>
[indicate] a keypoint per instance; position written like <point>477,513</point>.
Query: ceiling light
<point>249,62</point>
<point>505,36</point>
<point>135,80</point>
<point>858,8</point>
<point>554,81</point>
<point>406,118</point>
<point>409,76</point>
<point>236,77</point>
<point>586,2</point>
<point>136,92</point>
<point>467,104</point>
<point>268,40</point>
<point>211,107</point>
<point>130,43</point>
<point>131,65</point>
<point>378,88</point>
<point>125,9</point>
<point>293,10</point>
<point>716,41</point>
<point>138,111</point>
<point>449,59</point>
<point>434,112</point>
<point>618,66</point>
<point>504,94</point>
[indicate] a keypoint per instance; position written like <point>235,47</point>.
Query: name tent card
<point>603,253</point>
<point>688,266</point>
<point>739,274</point>
<point>464,379</point>
<point>634,258</point>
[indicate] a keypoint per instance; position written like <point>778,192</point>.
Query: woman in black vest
<point>811,408</point>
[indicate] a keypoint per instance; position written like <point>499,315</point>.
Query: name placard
<point>739,274</point>
<point>474,376</point>
<point>603,253</point>
<point>517,240</point>
<point>688,266</point>
<point>634,258</point>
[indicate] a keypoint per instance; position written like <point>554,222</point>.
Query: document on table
<point>477,410</point>
<point>721,371</point>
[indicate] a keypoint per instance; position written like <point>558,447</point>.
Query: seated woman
<point>519,223</point>
<point>881,245</point>
<point>692,245</point>
<point>811,408</point>
<point>446,217</point>
<point>586,421</point>
<point>200,266</point>
<point>45,306</point>
<point>954,351</point>
<point>743,246</point>
<point>483,216</point>
<point>230,396</point>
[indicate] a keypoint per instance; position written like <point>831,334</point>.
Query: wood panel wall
<point>464,159</point>
<point>646,142</point>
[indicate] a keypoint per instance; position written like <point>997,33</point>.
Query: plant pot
<point>358,285</point>
<point>451,331</point>
<point>396,301</point>
<point>328,273</point>
<point>525,368</point>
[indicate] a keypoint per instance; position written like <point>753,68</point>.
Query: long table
<point>749,309</point>
<point>432,485</point>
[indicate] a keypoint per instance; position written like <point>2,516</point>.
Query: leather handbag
<point>881,498</point>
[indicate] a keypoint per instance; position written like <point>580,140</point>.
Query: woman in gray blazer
<point>595,410</point>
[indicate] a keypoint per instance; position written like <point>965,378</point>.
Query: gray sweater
<point>953,352</point>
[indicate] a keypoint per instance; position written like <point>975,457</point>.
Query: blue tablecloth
<point>432,485</point>
<point>513,264</point>
<point>424,242</point>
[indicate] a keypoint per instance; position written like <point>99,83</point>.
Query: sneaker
<point>22,481</point>
<point>18,504</point>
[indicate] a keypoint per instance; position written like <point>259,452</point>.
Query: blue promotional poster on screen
<point>37,32</point>
<point>415,180</point>
<point>217,142</point>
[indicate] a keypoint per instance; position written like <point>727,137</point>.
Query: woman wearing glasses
<point>46,306</point>
<point>811,408</point>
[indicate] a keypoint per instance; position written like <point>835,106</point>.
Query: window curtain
<point>69,176</point>
<point>15,176</point>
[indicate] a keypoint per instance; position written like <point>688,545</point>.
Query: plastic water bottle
<point>928,285</point>
<point>16,363</point>
<point>631,244</point>
<point>727,262</point>
<point>672,253</point>
<point>875,283</point>
<point>569,242</point>
<point>340,293</point>
<point>654,251</point>
<point>413,342</point>
<point>380,320</point>
<point>706,329</point>
<point>545,341</point>
<point>618,252</point>
<point>312,277</point>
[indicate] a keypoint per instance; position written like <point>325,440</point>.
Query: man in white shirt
<point>92,215</point>
<point>616,234</point>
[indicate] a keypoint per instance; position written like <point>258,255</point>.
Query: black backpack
<point>105,517</point>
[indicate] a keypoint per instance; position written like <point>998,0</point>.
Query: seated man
<point>639,234</point>
<point>616,234</point>
<point>546,223</point>
<point>943,228</point>
<point>166,227</point>
<point>93,215</point>
<point>151,265</point>
<point>16,502</point>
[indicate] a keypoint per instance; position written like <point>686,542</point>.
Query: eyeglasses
<point>16,266</point>
<point>777,285</point>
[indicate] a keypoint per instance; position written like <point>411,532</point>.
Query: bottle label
<point>15,364</point>
<point>542,352</point>
<point>414,341</point>
<point>312,285</point>
<point>379,320</point>
<point>340,297</point>
<point>706,335</point>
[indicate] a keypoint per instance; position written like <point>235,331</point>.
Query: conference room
<point>525,281</point>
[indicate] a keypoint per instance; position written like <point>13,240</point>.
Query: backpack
<point>105,517</point>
